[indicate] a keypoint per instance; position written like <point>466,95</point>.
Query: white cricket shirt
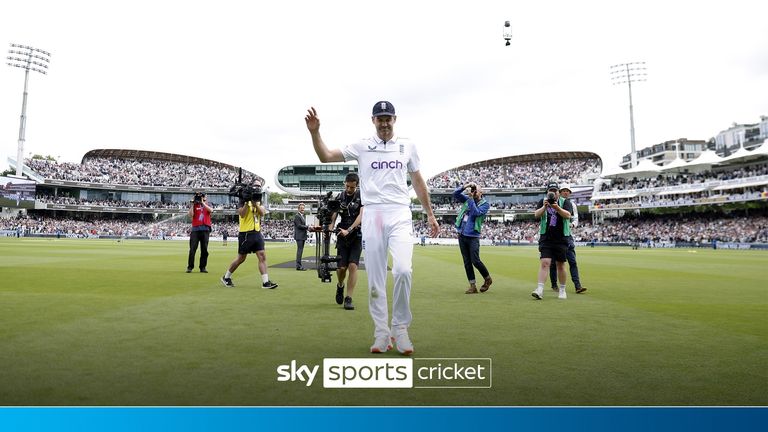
<point>383,169</point>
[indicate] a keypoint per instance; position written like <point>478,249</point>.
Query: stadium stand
<point>313,180</point>
<point>134,182</point>
<point>696,198</point>
<point>522,172</point>
<point>514,184</point>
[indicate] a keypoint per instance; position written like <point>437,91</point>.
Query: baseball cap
<point>552,185</point>
<point>565,186</point>
<point>383,108</point>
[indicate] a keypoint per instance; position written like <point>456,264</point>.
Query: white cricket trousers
<point>388,227</point>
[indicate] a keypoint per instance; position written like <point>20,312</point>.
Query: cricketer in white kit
<point>384,162</point>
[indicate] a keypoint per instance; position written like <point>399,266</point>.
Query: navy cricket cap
<point>383,108</point>
<point>552,185</point>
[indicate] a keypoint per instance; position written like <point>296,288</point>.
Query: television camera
<point>243,191</point>
<point>326,263</point>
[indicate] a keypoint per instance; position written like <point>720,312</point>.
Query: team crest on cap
<point>383,106</point>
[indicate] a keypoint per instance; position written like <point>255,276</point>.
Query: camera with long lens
<point>550,197</point>
<point>198,198</point>
<point>326,263</point>
<point>245,192</point>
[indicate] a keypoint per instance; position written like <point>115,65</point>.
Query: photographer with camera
<point>250,240</point>
<point>469,223</point>
<point>349,238</point>
<point>570,255</point>
<point>200,212</point>
<point>554,213</point>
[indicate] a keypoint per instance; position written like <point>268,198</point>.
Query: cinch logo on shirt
<point>395,164</point>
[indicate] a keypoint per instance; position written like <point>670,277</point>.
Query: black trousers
<point>198,238</point>
<point>299,252</point>
<point>470,252</point>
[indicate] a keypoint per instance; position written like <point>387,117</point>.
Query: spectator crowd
<point>519,175</point>
<point>122,203</point>
<point>678,179</point>
<point>692,227</point>
<point>94,225</point>
<point>140,172</point>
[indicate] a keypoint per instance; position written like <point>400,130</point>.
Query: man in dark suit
<point>300,235</point>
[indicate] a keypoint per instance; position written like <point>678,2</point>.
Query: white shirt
<point>383,169</point>
<point>574,216</point>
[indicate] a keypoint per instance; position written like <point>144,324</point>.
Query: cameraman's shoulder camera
<point>245,192</point>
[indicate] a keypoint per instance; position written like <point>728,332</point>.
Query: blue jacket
<point>475,213</point>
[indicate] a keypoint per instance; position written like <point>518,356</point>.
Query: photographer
<point>469,223</point>
<point>570,255</point>
<point>554,213</point>
<point>349,240</point>
<point>200,212</point>
<point>249,239</point>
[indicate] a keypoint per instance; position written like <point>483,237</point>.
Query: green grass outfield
<point>87,322</point>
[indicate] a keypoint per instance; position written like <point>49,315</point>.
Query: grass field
<point>108,323</point>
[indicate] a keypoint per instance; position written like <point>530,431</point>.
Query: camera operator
<point>469,223</point>
<point>554,212</point>
<point>200,212</point>
<point>349,240</point>
<point>250,240</point>
<point>570,255</point>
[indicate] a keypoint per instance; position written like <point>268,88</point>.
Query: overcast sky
<point>231,80</point>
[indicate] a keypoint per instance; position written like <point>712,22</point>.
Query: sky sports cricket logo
<point>391,373</point>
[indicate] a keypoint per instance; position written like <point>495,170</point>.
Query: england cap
<point>383,108</point>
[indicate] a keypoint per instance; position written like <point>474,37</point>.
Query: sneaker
<point>227,282</point>
<point>472,290</point>
<point>269,285</point>
<point>348,303</point>
<point>381,345</point>
<point>486,284</point>
<point>403,342</point>
<point>580,290</point>
<point>189,270</point>
<point>561,294</point>
<point>203,271</point>
<point>538,295</point>
<point>339,294</point>
<point>300,269</point>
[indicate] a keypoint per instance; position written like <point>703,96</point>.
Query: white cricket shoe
<point>561,294</point>
<point>381,345</point>
<point>402,341</point>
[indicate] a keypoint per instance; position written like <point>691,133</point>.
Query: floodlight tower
<point>29,59</point>
<point>629,73</point>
